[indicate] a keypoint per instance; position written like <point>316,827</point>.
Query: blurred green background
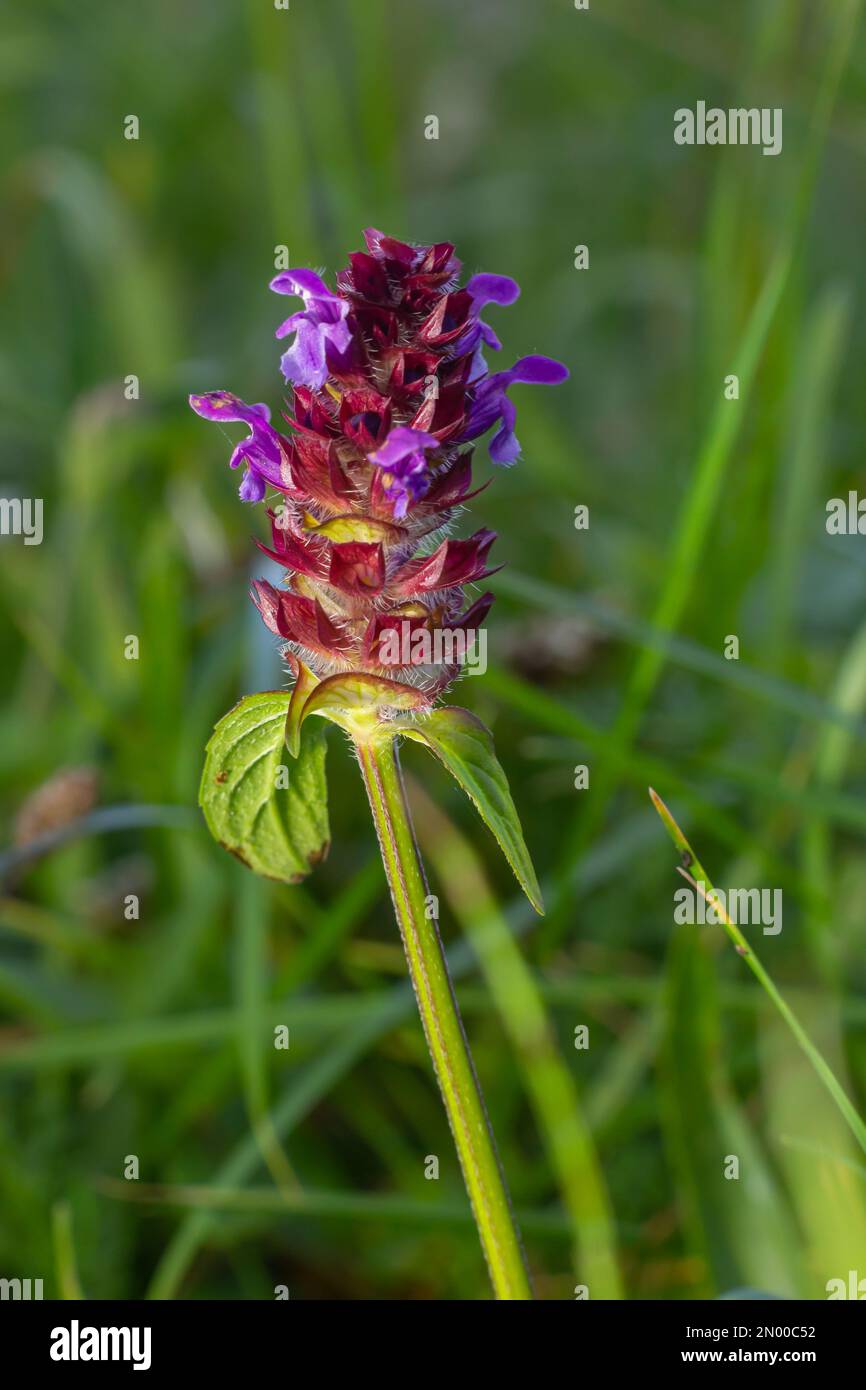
<point>153,1037</point>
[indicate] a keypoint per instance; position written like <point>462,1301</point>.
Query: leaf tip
<point>661,807</point>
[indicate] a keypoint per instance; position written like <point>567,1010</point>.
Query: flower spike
<point>388,388</point>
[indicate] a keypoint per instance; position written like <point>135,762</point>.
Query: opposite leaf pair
<point>274,816</point>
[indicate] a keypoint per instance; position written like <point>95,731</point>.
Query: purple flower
<point>319,325</point>
<point>490,404</point>
<point>484,289</point>
<point>261,451</point>
<point>403,459</point>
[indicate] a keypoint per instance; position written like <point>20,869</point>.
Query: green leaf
<point>465,746</point>
<point>280,831</point>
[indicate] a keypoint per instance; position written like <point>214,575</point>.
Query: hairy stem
<point>440,1017</point>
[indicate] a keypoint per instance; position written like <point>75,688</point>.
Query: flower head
<point>389,382</point>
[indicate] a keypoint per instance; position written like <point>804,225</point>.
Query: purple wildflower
<point>403,459</point>
<point>484,289</point>
<point>261,452</point>
<point>490,404</point>
<point>390,383</point>
<point>319,325</point>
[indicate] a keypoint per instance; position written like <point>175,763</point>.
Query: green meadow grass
<point>154,1037</point>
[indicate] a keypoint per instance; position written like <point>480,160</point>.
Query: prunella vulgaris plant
<point>377,612</point>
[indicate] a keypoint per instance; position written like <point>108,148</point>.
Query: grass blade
<point>693,869</point>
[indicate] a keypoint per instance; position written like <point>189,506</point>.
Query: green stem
<point>440,1017</point>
